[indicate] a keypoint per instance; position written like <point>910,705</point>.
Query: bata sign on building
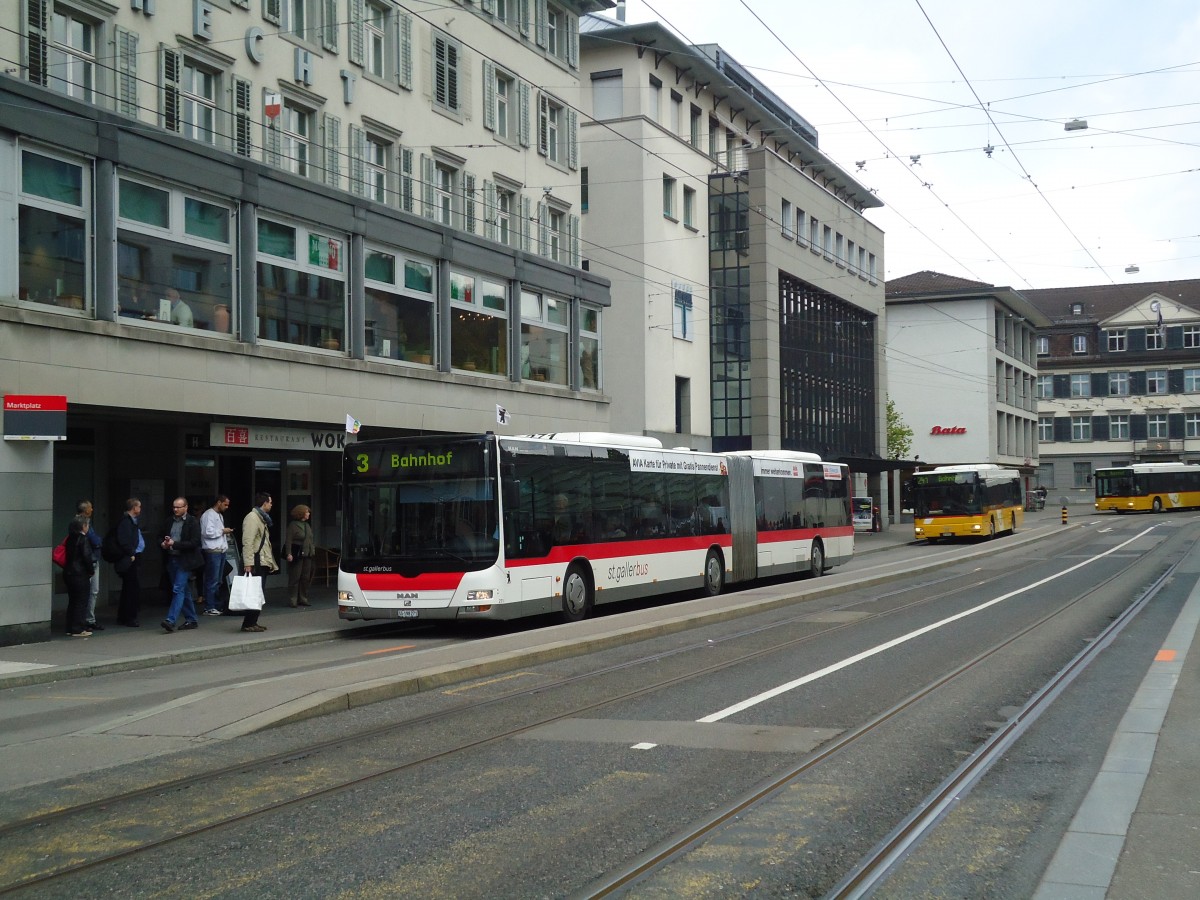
<point>948,429</point>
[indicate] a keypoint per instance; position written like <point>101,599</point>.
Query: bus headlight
<point>345,597</point>
<point>473,596</point>
<point>976,527</point>
<point>918,530</point>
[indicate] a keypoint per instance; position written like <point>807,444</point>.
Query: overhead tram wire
<point>996,254</point>
<point>987,112</point>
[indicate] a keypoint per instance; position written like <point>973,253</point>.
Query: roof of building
<point>928,282</point>
<point>937,287</point>
<point>1101,301</point>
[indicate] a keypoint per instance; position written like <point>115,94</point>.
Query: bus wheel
<point>576,595</point>
<point>1013,530</point>
<point>1158,504</point>
<point>816,561</point>
<point>714,574</point>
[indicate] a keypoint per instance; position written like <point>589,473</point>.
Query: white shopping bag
<point>246,594</point>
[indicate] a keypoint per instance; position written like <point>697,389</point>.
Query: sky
<point>884,81</point>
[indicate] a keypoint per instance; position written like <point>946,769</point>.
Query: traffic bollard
<point>1064,515</point>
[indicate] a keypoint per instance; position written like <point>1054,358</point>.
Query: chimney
<point>620,10</point>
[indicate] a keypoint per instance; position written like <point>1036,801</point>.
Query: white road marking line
<point>903,639</point>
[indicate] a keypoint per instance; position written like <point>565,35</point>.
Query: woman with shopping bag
<point>258,561</point>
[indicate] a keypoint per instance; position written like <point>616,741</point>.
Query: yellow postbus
<point>966,501</point>
<point>1147,487</point>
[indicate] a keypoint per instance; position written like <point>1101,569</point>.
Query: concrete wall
<point>26,537</point>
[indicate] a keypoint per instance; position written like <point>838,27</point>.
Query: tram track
<point>871,870</point>
<point>158,805</point>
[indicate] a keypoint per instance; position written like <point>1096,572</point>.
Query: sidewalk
<point>1136,835</point>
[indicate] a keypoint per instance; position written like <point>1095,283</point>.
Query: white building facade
<point>745,277</point>
<point>962,370</point>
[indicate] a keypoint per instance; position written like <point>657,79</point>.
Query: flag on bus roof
<point>352,424</point>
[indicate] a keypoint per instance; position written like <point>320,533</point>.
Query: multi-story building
<point>746,280</point>
<point>228,225</point>
<point>962,369</point>
<point>1118,378</point>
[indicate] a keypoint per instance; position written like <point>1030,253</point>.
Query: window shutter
<point>427,176</point>
<point>358,147</point>
<point>1062,428</point>
<point>1138,428</point>
<point>404,67</point>
<point>127,81</point>
<point>526,222</point>
<point>542,35</point>
<point>329,26</point>
<point>1176,427</point>
<point>439,71</point>
<point>572,41</point>
<point>271,11</point>
<point>331,132</point>
<point>36,42</point>
<point>170,64</point>
<point>543,218</point>
<point>1137,384</point>
<point>1099,384</point>
<point>543,125</point>
<point>354,46</point>
<point>489,210</point>
<point>574,226</point>
<point>1099,428</point>
<point>524,14</point>
<point>523,101</point>
<point>452,77</point>
<point>1175,381</point>
<point>489,95</point>
<point>406,179</point>
<point>572,139</point>
<point>243,92</point>
<point>469,214</point>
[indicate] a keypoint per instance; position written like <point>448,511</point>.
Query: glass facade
<point>729,322</point>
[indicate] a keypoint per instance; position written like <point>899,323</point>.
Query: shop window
<point>545,338</point>
<point>301,286</point>
<point>53,234</point>
<point>399,307</point>
<point>174,257</point>
<point>478,324</point>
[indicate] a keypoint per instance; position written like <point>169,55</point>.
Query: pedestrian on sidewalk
<point>301,553</point>
<point>84,508</point>
<point>257,557</point>
<point>214,537</point>
<point>182,549</point>
<point>132,545</point>
<point>77,573</point>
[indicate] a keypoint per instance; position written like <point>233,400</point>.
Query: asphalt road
<point>543,781</point>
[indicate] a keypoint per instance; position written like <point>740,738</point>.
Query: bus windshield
<point>426,504</point>
<point>945,495</point>
<point>1117,483</point>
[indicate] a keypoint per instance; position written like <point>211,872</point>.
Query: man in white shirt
<point>214,541</point>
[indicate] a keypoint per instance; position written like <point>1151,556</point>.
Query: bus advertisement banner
<point>666,461</point>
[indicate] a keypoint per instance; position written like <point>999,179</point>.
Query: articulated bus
<point>488,527</point>
<point>966,501</point>
<point>1148,487</point>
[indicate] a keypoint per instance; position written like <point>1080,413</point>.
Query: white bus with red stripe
<point>488,527</point>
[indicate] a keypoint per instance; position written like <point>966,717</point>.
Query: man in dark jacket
<point>132,545</point>
<point>181,545</point>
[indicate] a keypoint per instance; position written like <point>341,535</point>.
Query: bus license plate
<point>406,614</point>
